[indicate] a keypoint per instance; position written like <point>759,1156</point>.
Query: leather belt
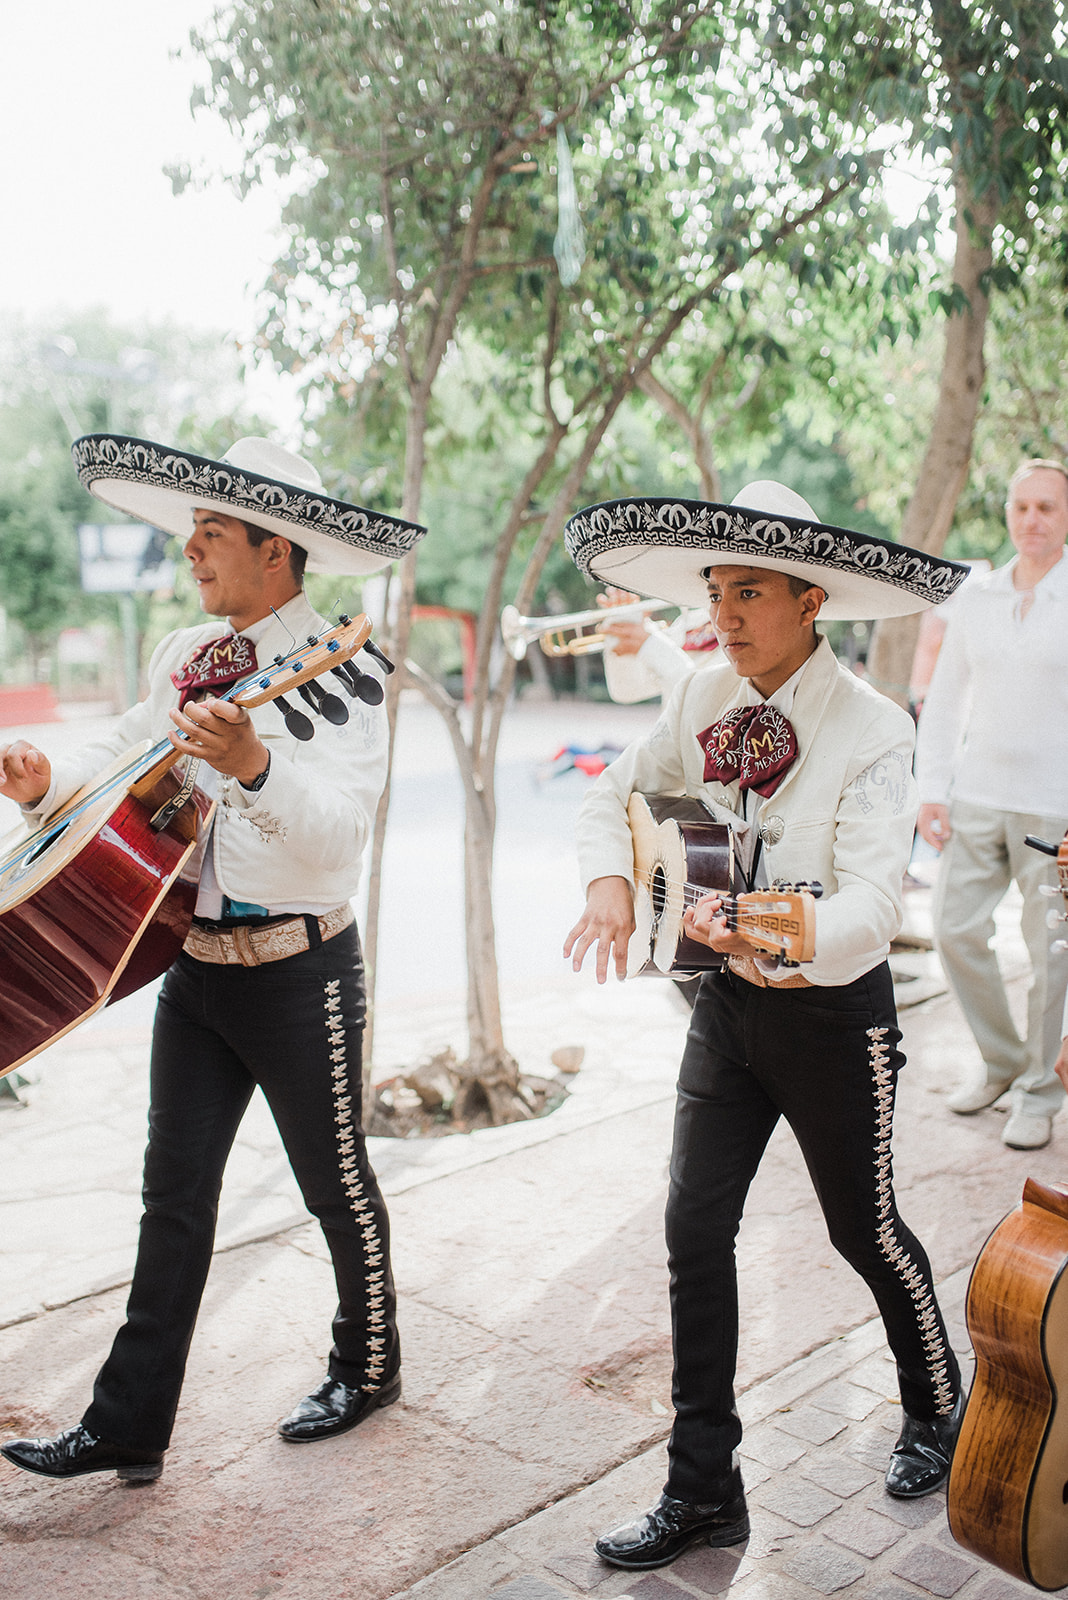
<point>745,967</point>
<point>249,946</point>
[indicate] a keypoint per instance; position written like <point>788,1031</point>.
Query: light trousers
<point>985,855</point>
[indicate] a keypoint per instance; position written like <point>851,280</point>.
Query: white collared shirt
<point>209,902</point>
<point>994,726</point>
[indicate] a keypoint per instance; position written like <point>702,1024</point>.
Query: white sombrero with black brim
<point>256,481</point>
<point>664,548</point>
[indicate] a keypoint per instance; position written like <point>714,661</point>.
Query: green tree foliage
<point>83,373</point>
<point>424,150</point>
<point>980,87</point>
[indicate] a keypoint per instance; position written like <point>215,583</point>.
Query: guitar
<point>1008,1485</point>
<point>680,854</point>
<point>98,900</point>
<point>1059,852</point>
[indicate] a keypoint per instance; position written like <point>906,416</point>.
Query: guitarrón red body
<point>1008,1487</point>
<point>60,948</point>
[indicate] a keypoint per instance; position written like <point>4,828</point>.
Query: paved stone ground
<point>817,1439</point>
<point>530,1266</point>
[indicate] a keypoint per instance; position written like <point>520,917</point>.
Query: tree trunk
<point>398,632</point>
<point>491,1072</point>
<point>944,469</point>
<point>692,427</point>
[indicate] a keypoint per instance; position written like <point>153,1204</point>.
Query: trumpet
<point>519,632</point>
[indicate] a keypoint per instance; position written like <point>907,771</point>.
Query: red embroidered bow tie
<point>214,666</point>
<point>754,744</point>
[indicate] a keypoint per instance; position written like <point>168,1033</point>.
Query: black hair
<point>298,556</point>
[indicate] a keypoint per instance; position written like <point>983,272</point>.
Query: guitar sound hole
<point>1064,1495</point>
<point>45,844</point>
<point>658,894</point>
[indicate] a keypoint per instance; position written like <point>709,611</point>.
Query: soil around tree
<point>443,1096</point>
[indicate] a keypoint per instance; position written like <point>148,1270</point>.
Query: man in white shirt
<point>992,767</point>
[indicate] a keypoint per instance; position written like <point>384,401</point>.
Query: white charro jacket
<point>300,838</point>
<point>846,807</point>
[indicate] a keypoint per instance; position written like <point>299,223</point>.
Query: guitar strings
<point>732,904</point>
<point>693,892</point>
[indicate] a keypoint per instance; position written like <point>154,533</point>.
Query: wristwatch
<point>257,783</point>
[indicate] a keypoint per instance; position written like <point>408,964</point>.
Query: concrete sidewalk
<point>530,1265</point>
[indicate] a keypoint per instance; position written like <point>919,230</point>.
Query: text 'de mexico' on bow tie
<point>754,744</point>
<point>214,667</point>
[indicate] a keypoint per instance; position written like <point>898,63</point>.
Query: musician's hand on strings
<point>25,773</point>
<point>706,922</point>
<point>932,824</point>
<point>608,922</point>
<point>222,734</point>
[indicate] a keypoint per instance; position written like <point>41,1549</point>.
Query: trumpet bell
<point>516,638</point>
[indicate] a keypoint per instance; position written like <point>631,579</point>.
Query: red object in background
<point>26,703</point>
<point>467,621</point>
<point>574,757</point>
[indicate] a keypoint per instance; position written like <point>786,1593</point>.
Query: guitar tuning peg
<point>1059,947</point>
<point>298,724</point>
<point>360,685</point>
<point>1055,918</point>
<point>327,705</point>
<point>1050,891</point>
<point>383,660</point>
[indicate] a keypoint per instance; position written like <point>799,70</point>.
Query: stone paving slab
<point>822,1524</point>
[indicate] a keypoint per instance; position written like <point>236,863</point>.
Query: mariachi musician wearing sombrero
<point>812,769</point>
<point>268,988</point>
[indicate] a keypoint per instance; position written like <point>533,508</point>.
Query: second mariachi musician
<point>812,770</point>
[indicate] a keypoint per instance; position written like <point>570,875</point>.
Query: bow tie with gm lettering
<point>755,745</point>
<point>214,667</point>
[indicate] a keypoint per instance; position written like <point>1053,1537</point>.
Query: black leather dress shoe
<point>922,1456</point>
<point>77,1451</point>
<point>335,1408</point>
<point>671,1526</point>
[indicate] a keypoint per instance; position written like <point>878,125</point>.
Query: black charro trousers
<point>827,1060</point>
<point>295,1028</point>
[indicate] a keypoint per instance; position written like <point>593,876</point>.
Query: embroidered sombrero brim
<point>162,486</point>
<point>662,548</point>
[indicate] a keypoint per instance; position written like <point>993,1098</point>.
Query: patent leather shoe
<point>77,1451</point>
<point>335,1408</point>
<point>671,1526</point>
<point>922,1456</point>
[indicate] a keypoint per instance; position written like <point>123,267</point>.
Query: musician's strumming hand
<point>932,824</point>
<point>25,773</point>
<point>707,923</point>
<point>608,922</point>
<point>222,734</point>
